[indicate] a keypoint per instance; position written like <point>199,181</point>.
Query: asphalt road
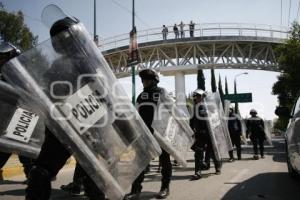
<point>247,179</point>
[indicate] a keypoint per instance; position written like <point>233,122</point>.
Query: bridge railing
<point>201,30</point>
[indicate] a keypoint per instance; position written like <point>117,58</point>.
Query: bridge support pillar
<point>180,91</point>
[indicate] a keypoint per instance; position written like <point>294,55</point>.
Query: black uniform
<point>202,140</point>
<point>52,158</point>
<point>235,131</point>
<point>255,128</point>
<point>150,96</point>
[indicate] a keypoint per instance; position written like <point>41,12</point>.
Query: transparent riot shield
<point>215,126</point>
<point>268,129</point>
<point>223,121</point>
<point>171,128</point>
<point>226,107</point>
<point>244,129</point>
<point>243,124</point>
<point>86,108</point>
<point>21,129</point>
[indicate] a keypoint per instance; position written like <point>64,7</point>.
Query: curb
<point>13,167</point>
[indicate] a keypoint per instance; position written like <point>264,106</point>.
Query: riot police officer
<point>54,154</point>
<point>199,125</point>
<point>235,132</point>
<point>255,130</point>
<point>146,105</point>
<point>7,52</point>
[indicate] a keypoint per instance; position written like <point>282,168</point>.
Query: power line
<point>129,11</point>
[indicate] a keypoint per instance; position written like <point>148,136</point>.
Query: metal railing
<point>201,30</point>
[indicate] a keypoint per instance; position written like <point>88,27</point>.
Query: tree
<point>226,86</point>
<point>287,88</point>
<point>200,80</point>
<point>220,88</point>
<point>213,81</point>
<point>13,29</point>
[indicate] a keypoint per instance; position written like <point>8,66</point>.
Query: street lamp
<point>235,92</point>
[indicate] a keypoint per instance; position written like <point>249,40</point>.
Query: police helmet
<point>149,74</point>
<point>253,111</point>
<point>8,51</point>
<point>62,25</point>
<point>59,27</point>
<point>199,92</point>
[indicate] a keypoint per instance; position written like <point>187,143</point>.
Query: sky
<point>114,18</point>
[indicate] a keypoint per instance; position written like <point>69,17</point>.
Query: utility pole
<point>96,39</point>
<point>133,51</point>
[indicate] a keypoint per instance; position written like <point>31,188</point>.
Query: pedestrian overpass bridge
<point>214,46</point>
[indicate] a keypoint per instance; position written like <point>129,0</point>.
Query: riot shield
<point>226,107</point>
<point>223,121</point>
<point>243,124</point>
<point>86,108</point>
<point>244,129</point>
<point>171,128</point>
<point>268,129</point>
<point>21,129</point>
<point>215,127</point>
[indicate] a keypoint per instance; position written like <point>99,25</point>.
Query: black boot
<point>231,158</point>
<point>239,155</point>
<point>163,193</point>
<point>218,171</point>
<point>218,166</point>
<point>133,195</point>
<point>196,176</point>
<point>72,188</point>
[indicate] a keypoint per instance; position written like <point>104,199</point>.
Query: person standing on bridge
<point>176,31</point>
<point>181,26</point>
<point>146,106</point>
<point>165,32</point>
<point>192,28</point>
<point>255,130</point>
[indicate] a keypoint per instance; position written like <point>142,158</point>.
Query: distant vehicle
<point>292,137</point>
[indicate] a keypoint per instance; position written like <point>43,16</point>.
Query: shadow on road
<point>18,192</point>
<point>146,195</point>
<point>9,182</point>
<point>270,186</point>
<point>56,194</point>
